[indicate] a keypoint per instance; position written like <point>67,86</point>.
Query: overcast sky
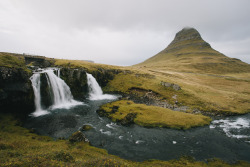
<point>120,32</point>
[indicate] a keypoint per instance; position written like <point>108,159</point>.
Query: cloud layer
<point>120,32</point>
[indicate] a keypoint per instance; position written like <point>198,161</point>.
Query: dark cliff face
<point>76,79</point>
<point>16,92</point>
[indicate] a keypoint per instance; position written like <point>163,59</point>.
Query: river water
<point>226,138</point>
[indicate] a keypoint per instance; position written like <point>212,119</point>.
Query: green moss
<point>151,116</point>
<point>12,61</point>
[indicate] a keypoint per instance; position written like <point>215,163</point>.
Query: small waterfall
<point>61,91</point>
<point>95,91</point>
<point>36,84</point>
<point>62,97</point>
<point>58,72</point>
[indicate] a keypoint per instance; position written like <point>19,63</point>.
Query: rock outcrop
<point>16,92</point>
<point>76,79</point>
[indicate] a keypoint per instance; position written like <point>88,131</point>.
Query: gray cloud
<point>120,32</point>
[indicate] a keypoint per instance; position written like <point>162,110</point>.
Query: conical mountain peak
<point>187,37</point>
<point>187,34</point>
<point>190,53</point>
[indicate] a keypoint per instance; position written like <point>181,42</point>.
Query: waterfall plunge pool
<point>226,138</point>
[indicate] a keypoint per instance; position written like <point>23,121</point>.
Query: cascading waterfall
<point>62,97</point>
<point>36,84</point>
<point>95,91</point>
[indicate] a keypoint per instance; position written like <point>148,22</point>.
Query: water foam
<point>232,128</point>
<point>95,91</point>
<point>62,97</point>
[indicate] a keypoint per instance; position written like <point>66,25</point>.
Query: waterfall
<point>36,84</point>
<point>95,91</point>
<point>62,97</point>
<point>61,92</point>
<point>58,72</point>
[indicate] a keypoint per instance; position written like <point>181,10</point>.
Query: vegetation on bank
<point>89,66</point>
<point>20,147</point>
<point>127,112</point>
<point>12,60</point>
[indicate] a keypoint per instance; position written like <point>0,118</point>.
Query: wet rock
<point>128,119</point>
<point>78,137</point>
<point>86,127</point>
<point>76,79</point>
<point>16,88</point>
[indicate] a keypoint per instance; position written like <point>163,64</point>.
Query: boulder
<point>86,127</point>
<point>78,137</point>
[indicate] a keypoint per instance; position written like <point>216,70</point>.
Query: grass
<point>152,116</point>
<point>12,60</point>
<point>20,147</point>
<point>83,64</point>
<point>211,93</point>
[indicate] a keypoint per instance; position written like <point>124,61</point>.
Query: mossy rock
<point>78,137</point>
<point>86,127</point>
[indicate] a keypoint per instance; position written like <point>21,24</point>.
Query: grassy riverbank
<point>152,116</point>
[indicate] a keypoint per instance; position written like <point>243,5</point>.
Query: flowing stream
<point>226,138</point>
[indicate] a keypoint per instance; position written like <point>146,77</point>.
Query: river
<point>227,138</point>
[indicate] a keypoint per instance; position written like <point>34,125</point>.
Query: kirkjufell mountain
<point>188,52</point>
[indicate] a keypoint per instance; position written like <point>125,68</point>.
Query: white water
<point>61,92</point>
<point>36,84</point>
<point>58,72</point>
<point>232,127</point>
<point>62,97</point>
<point>95,91</point>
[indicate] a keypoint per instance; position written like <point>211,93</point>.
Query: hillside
<point>188,52</point>
<point>210,81</point>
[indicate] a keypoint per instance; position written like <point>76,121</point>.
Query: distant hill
<point>188,52</point>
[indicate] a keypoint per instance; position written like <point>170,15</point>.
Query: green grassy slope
<point>12,60</point>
